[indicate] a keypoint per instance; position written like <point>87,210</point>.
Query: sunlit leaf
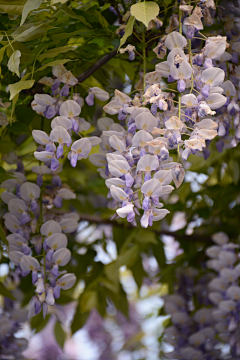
<point>14,61</point>
<point>53,63</point>
<point>60,335</point>
<point>145,11</point>
<point>13,7</point>
<point>55,52</point>
<point>29,6</point>
<point>128,30</point>
<point>2,233</point>
<point>19,86</point>
<point>5,292</point>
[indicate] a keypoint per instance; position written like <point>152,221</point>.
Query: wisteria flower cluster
<point>134,157</point>
<point>11,319</point>
<point>205,310</point>
<point>67,122</point>
<point>33,226</point>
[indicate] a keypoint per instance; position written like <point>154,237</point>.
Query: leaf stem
<point>144,61</point>
<point>44,253</point>
<point>190,59</point>
<point>9,41</point>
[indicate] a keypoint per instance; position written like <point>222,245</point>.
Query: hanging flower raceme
<point>27,212</point>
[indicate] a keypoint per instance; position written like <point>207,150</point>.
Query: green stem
<point>44,253</point>
<point>144,61</point>
<point>180,20</point>
<point>9,41</point>
<point>190,59</point>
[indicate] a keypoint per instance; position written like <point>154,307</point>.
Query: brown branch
<point>98,220</point>
<point>96,66</point>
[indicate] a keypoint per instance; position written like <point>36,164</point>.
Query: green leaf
<point>60,335</point>
<point>128,31</point>
<point>88,301</point>
<point>55,52</point>
<point>73,15</point>
<point>29,6</point>
<point>58,1</point>
<point>2,233</point>
<point>145,11</point>
<point>5,292</point>
<point>53,63</point>
<point>30,32</point>
<point>5,176</point>
<point>38,323</point>
<point>26,53</point>
<point>14,101</point>
<point>19,86</point>
<point>13,7</point>
<point>18,128</point>
<point>14,62</point>
<point>79,320</point>
<point>138,272</point>
<point>2,50</point>
<point>234,170</point>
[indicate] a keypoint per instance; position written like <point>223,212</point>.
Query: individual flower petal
<point>11,222</point>
<point>68,225</point>
<point>7,196</point>
<point>213,76</point>
<point>99,93</point>
<point>183,72</point>
<point>148,163</point>
<point>60,135</point>
<point>175,52</point>
<point>29,191</point>
<point>69,109</point>
<point>28,263</point>
<point>152,188</point>
<point>125,210</point>
<point>116,182</point>
<point>175,40</point>
<point>82,147</point>
<point>174,123</point>
<point>67,281</point>
<point>104,123</point>
<point>118,167</point>
<point>215,101</point>
<point>44,155</point>
<point>141,138</point>
<point>61,257</point>
<point>159,214</point>
<point>66,194</point>
<point>15,257</point>
<point>164,176</point>
<point>41,170</point>
<point>116,143</point>
<point>61,121</point>
<point>220,238</point>
<point>189,100</point>
<point>50,227</point>
<point>97,159</point>
<point>57,241</point>
<point>68,78</point>
<point>207,124</point>
<point>163,69</point>
<point>17,207</point>
<point>118,194</point>
<point>40,137</point>
<point>146,121</point>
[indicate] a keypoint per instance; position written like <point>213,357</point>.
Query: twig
<point>98,220</point>
<point>96,66</point>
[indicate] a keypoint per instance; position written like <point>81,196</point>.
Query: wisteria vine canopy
<point>120,123</point>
